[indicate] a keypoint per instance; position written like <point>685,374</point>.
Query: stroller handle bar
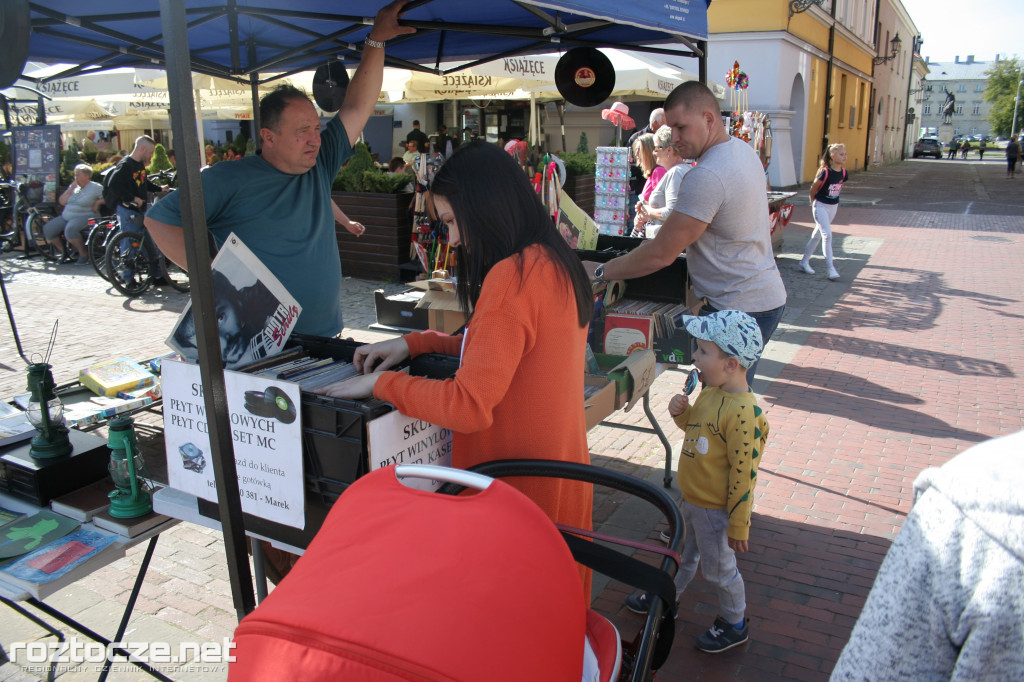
<point>461,477</point>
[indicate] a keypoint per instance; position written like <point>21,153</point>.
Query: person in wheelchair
<point>81,202</point>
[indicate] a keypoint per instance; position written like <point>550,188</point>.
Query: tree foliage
<point>1000,92</point>
<point>160,161</point>
<point>583,147</point>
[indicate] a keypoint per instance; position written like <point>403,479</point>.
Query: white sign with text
<point>398,439</point>
<point>266,431</point>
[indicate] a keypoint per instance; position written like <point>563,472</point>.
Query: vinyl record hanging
<point>584,76</point>
<point>330,82</point>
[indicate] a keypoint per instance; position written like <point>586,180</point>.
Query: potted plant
<point>379,201</point>
<point>579,179</point>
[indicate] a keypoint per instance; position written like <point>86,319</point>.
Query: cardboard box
<point>632,375</point>
<point>443,312</point>
<point>600,405</point>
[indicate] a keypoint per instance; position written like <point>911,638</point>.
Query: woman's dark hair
<point>499,214</point>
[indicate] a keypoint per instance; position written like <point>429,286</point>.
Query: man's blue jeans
<point>767,322</point>
<point>131,221</point>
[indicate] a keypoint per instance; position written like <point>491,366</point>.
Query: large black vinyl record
<point>14,30</point>
<point>584,76</point>
<point>329,85</point>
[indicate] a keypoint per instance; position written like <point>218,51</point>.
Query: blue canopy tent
<point>242,39</point>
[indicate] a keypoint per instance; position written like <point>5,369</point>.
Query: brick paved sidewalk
<point>908,359</point>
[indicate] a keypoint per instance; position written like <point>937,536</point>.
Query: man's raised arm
<point>364,89</point>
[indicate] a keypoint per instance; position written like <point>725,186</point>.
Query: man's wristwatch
<point>373,43</point>
<point>599,272</point>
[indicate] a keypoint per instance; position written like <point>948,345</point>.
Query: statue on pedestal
<point>948,107</point>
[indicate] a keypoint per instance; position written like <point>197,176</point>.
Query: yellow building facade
<point>810,71</point>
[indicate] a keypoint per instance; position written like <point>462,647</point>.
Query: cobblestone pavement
<point>908,359</point>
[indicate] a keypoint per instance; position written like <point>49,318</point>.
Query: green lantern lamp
<point>132,497</point>
<point>46,413</point>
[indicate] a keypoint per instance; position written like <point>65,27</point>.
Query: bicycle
<point>100,232</point>
<point>36,217</point>
<point>28,213</point>
<point>131,259</point>
<point>9,237</point>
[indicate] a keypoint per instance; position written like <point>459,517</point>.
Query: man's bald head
<point>693,96</point>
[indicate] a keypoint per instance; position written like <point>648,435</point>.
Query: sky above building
<point>984,28</point>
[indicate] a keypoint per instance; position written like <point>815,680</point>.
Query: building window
<point>974,130</point>
<point>959,109</point>
<point>961,88</point>
<point>863,103</point>
<point>976,110</point>
<point>980,87</point>
<point>927,109</point>
<point>842,100</point>
<point>927,88</point>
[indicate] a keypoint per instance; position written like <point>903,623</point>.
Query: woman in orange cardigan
<point>518,392</point>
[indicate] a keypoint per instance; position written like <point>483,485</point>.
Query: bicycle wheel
<point>130,263</point>
<point>8,233</point>
<point>35,229</point>
<point>175,276</point>
<point>96,247</point>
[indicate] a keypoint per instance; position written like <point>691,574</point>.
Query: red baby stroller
<point>403,584</point>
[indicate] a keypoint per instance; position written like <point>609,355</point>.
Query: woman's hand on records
<point>355,388</point>
<point>377,357</point>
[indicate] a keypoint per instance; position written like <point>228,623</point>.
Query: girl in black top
<point>824,204</point>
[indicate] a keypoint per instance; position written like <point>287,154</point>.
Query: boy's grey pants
<point>706,543</point>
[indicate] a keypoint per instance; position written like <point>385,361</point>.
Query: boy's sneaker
<point>722,636</point>
<point>639,603</point>
<point>806,267</point>
<point>833,274</point>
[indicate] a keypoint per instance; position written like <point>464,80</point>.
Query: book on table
<point>7,516</point>
<point>84,503</point>
<point>123,374</point>
<point>57,558</point>
<point>32,532</point>
<point>14,428</point>
<point>128,527</point>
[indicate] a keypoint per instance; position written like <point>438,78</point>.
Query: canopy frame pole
<point>211,366</point>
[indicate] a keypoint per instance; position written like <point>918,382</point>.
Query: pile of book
<point>631,325</point>
<point>14,426</point>
<point>42,547</point>
<point>298,366</point>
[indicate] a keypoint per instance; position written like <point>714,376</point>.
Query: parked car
<point>928,146</point>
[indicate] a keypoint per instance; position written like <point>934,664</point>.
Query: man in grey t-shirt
<point>721,219</point>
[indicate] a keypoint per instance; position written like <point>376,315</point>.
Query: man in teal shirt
<point>279,202</point>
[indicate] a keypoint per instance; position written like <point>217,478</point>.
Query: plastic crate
<point>334,448</point>
<point>667,284</point>
<point>334,429</point>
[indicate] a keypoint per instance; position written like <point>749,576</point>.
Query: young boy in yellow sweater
<point>725,436</point>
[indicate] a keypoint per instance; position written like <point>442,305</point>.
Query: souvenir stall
<point>755,128</point>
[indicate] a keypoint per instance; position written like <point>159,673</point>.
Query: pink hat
<point>618,114</point>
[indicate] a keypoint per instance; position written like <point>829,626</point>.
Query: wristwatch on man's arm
<point>599,273</point>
